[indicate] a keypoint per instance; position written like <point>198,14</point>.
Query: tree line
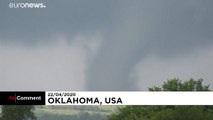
<point>168,112</point>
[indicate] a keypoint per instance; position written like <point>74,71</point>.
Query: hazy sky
<point>105,44</point>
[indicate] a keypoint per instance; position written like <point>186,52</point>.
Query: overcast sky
<point>105,44</point>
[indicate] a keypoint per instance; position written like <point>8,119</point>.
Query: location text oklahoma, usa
<point>84,101</point>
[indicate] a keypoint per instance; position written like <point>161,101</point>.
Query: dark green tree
<point>17,112</point>
<point>178,85</point>
<point>169,112</point>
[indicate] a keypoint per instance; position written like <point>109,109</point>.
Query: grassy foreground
<point>74,112</point>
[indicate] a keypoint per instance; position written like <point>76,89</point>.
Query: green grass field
<point>74,112</point>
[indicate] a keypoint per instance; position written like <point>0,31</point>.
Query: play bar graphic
<point>105,98</point>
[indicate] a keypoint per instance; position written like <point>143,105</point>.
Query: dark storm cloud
<point>67,17</point>
<point>165,28</point>
<point>130,31</point>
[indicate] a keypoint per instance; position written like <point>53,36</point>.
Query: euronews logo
<point>27,5</point>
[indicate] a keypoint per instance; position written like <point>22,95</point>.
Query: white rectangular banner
<point>128,98</point>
